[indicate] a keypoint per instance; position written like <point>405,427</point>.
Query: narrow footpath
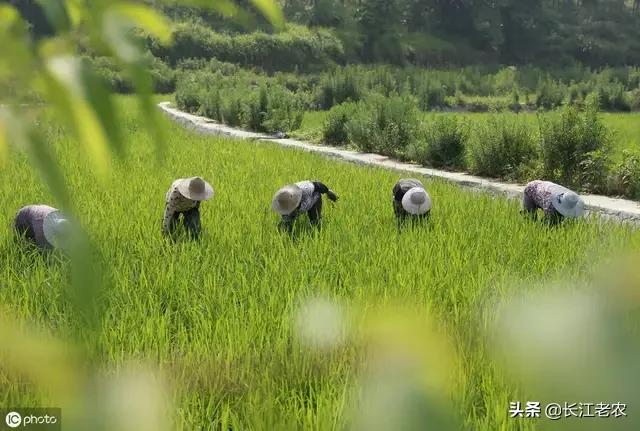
<point>619,209</point>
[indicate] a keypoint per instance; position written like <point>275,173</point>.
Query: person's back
<point>410,199</point>
<point>302,197</point>
<point>43,225</point>
<point>183,200</point>
<point>556,201</point>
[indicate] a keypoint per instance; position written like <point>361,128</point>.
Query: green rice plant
<point>253,329</point>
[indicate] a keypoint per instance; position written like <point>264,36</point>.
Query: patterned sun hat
<point>287,199</point>
<point>57,229</point>
<point>195,188</point>
<point>568,203</point>
<point>416,201</point>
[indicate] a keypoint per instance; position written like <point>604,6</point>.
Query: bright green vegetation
<point>217,315</point>
<point>389,111</point>
<point>625,126</point>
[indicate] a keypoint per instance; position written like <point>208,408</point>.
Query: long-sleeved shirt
<point>539,194</point>
<point>29,221</point>
<point>175,202</point>
<point>312,191</point>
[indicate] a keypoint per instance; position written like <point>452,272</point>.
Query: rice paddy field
<point>360,325</point>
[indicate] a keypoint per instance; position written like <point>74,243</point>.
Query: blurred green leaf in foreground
<point>49,72</point>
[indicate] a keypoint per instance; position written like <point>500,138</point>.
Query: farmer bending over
<point>303,197</point>
<point>556,201</point>
<point>183,198</point>
<point>410,199</point>
<point>44,226</point>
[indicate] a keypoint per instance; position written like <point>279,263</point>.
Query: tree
<point>381,25</point>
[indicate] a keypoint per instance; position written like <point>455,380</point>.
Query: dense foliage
<point>420,32</point>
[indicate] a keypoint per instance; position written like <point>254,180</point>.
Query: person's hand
<point>332,195</point>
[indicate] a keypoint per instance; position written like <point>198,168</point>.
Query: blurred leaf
<point>56,14</point>
<point>118,36</point>
<point>129,50</point>
<point>54,46</point>
<point>39,154</point>
<point>144,86</point>
<point>67,89</point>
<point>101,101</point>
<point>47,362</point>
<point>86,286</point>
<point>9,16</point>
<point>4,146</point>
<point>146,18</point>
<point>14,49</point>
<point>271,11</point>
<point>74,11</point>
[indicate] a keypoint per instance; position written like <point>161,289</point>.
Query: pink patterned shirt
<point>539,194</point>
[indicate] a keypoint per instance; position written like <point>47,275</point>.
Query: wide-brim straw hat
<point>57,229</point>
<point>287,199</point>
<point>195,188</point>
<point>568,203</point>
<point>416,201</point>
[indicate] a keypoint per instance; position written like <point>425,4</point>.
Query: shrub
<point>567,138</point>
<point>625,177</point>
<point>384,125</point>
<point>231,111</point>
<point>634,100</point>
<point>285,110</point>
<point>505,80</point>
<point>431,95</point>
<point>255,113</point>
<point>296,48</point>
<point>211,105</point>
<point>337,88</point>
<point>163,77</point>
<point>188,95</point>
<point>594,170</point>
<point>442,143</point>
<point>612,97</point>
<point>334,129</point>
<point>504,147</point>
<point>549,94</point>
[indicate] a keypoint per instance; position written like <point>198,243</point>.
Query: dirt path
<point>619,209</point>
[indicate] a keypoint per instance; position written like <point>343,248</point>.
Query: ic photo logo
<point>31,419</point>
<point>13,419</point>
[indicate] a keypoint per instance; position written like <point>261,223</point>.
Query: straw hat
<point>416,201</point>
<point>57,229</point>
<point>287,199</point>
<point>568,203</point>
<point>195,189</point>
